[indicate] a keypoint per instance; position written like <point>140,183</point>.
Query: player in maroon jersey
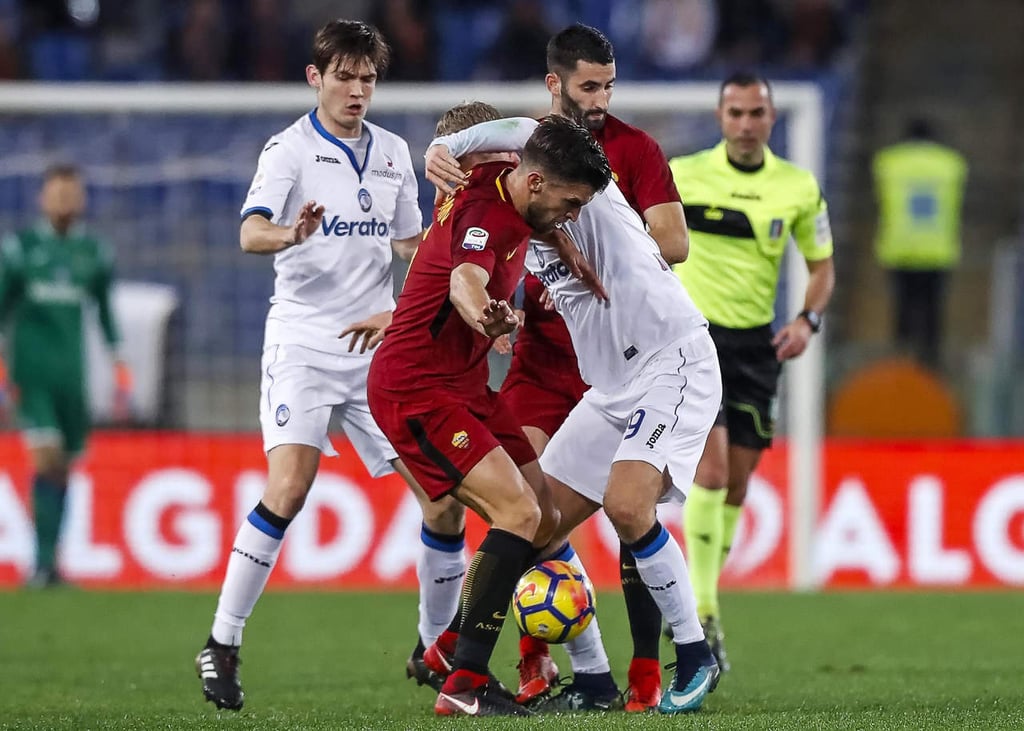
<point>428,389</point>
<point>543,383</point>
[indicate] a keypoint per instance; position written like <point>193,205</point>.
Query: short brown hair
<point>567,151</point>
<point>578,43</point>
<point>465,115</point>
<point>352,39</point>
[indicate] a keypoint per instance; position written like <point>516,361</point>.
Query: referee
<point>742,205</point>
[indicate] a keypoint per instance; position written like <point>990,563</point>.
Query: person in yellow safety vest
<point>919,184</point>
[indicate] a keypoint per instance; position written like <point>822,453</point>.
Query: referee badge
<point>365,201</point>
<point>775,229</point>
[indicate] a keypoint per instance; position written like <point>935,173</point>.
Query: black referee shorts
<point>750,382</point>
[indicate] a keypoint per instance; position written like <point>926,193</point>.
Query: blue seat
<point>61,57</point>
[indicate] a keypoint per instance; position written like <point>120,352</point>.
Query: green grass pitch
<point>72,659</point>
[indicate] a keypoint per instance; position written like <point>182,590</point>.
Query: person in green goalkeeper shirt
<point>742,206</point>
<point>48,274</point>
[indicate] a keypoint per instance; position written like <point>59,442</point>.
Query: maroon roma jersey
<point>543,348</point>
<point>428,345</point>
<point>639,167</point>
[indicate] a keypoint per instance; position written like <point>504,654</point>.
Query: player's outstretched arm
<point>500,135</point>
<point>468,293</point>
<point>260,236</point>
<point>503,343</point>
<point>573,258</point>
<point>498,318</point>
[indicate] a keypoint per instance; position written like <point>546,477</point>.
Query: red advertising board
<point>161,509</point>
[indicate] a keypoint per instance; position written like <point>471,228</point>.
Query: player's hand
<point>578,265</point>
<point>498,319</point>
<point>123,387</point>
<point>371,330</point>
<point>503,343</point>
<point>546,300</point>
<point>309,218</point>
<point>442,169</point>
<point>791,341</point>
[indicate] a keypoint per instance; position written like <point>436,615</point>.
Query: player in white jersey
<point>636,436</point>
<point>332,197</point>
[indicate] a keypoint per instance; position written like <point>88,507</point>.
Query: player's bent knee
<point>549,522</point>
<point>711,475</point>
<point>285,496</point>
<point>447,516</point>
<point>630,518</point>
<point>522,517</point>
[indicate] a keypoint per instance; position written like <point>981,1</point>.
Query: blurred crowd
<point>432,40</point>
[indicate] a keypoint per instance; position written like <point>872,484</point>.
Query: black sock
<point>690,657</point>
<point>271,517</point>
<point>420,648</point>
<point>601,685</point>
<point>445,538</point>
<point>486,594</point>
<point>642,610</point>
<point>646,539</point>
<point>210,642</point>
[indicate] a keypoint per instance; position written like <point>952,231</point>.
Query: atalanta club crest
<point>283,415</point>
<point>365,201</point>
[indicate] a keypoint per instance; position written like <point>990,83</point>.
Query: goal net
<point>167,166</point>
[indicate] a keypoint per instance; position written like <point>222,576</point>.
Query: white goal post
<point>800,102</point>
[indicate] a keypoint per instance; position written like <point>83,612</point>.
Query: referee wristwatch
<point>813,319</point>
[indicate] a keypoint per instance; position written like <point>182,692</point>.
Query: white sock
<point>586,652</point>
<point>663,569</point>
<point>440,569</point>
<point>252,559</point>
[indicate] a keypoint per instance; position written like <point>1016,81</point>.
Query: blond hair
<point>465,115</point>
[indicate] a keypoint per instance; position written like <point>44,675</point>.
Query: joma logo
<point>655,435</point>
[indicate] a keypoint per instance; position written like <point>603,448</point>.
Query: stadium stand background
<point>167,194</point>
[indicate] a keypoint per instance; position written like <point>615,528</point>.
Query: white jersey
<point>647,307</point>
<point>342,273</point>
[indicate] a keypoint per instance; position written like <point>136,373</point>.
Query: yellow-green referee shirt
<point>739,224</point>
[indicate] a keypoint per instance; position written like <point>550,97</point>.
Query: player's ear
<point>535,181</point>
<point>313,77</point>
<point>554,83</point>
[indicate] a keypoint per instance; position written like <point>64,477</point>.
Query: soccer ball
<point>553,602</point>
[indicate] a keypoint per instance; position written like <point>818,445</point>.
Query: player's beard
<point>536,219</point>
<point>592,119</point>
